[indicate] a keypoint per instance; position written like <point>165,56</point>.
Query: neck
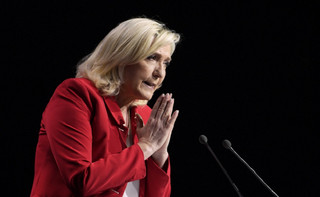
<point>125,104</point>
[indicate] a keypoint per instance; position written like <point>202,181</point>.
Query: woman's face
<point>143,78</point>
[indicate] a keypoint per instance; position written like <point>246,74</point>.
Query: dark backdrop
<point>244,71</point>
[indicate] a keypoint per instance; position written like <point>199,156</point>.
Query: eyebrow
<point>159,54</point>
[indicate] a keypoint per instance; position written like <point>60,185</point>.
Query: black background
<point>244,71</point>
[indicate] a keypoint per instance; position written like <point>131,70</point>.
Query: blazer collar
<point>114,109</point>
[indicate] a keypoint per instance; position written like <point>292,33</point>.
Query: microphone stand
<point>227,145</point>
<point>254,172</point>
<point>203,140</point>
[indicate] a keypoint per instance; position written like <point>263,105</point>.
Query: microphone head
<point>226,144</point>
<point>203,139</point>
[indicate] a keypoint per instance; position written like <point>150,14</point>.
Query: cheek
<point>130,73</point>
<point>163,76</point>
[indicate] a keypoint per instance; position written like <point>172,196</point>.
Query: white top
<point>132,189</point>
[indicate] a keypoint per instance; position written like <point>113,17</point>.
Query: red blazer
<point>82,148</point>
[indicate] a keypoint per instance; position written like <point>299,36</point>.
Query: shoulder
<point>77,86</point>
<point>78,90</point>
<point>77,83</point>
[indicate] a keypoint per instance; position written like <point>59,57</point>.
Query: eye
<point>167,63</point>
<point>152,57</point>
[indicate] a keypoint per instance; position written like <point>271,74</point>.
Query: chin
<point>146,96</point>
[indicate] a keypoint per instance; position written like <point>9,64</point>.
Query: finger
<point>173,118</point>
<point>168,111</point>
<point>162,106</point>
<point>170,107</point>
<point>156,106</point>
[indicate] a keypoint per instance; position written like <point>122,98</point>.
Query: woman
<point>98,137</point>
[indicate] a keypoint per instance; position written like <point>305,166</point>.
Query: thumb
<point>139,120</point>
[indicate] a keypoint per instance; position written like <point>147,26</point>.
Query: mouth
<point>149,84</point>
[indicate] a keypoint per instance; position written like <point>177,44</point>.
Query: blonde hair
<point>128,43</point>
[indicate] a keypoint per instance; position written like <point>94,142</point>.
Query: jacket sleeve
<point>67,122</point>
<point>158,181</point>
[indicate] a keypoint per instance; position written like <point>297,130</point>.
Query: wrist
<point>146,149</point>
<point>160,158</point>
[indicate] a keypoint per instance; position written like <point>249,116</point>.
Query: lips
<point>149,84</point>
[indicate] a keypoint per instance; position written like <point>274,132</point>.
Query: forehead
<point>164,51</point>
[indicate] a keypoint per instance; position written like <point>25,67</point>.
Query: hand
<point>161,155</point>
<point>154,137</point>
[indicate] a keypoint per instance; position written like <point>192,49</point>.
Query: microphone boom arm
<point>203,140</point>
<point>227,145</point>
<point>254,172</point>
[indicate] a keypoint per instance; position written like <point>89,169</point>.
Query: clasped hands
<point>154,137</point>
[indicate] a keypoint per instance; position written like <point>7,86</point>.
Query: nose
<point>159,71</point>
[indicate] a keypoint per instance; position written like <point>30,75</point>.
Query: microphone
<point>227,145</point>
<point>204,140</point>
